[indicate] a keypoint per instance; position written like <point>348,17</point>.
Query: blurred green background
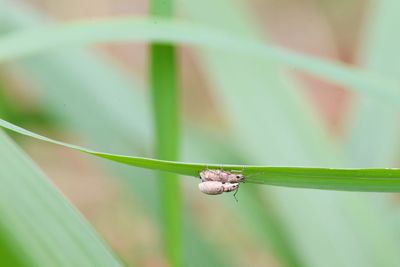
<point>234,109</point>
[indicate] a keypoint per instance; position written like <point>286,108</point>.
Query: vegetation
<point>269,133</point>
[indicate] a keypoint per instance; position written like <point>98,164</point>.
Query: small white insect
<point>217,188</point>
<point>221,176</point>
<point>216,182</point>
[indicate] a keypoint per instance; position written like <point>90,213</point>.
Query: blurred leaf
<point>163,83</point>
<point>43,39</point>
<point>373,124</point>
<point>10,253</point>
<point>10,110</point>
<point>373,127</point>
<point>42,227</point>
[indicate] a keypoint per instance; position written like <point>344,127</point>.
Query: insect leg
<point>234,194</point>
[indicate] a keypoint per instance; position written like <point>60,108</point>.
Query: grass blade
<point>164,31</point>
<point>164,90</point>
<point>368,180</point>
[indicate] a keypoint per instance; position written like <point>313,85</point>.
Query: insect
<point>216,182</point>
<point>217,188</point>
<point>221,176</point>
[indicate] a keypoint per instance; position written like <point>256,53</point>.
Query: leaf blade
<point>368,180</point>
<point>46,228</point>
<point>163,31</point>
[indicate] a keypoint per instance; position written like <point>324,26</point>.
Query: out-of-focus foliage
<point>263,117</point>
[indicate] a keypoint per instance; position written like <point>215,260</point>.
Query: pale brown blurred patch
<point>326,29</point>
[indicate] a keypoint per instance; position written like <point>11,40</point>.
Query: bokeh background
<point>234,109</point>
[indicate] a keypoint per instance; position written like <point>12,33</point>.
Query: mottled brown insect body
<point>221,176</point>
<point>217,188</point>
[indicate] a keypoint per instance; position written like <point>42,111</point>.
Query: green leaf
<point>165,31</point>
<point>41,226</point>
<point>375,180</point>
<point>164,89</point>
